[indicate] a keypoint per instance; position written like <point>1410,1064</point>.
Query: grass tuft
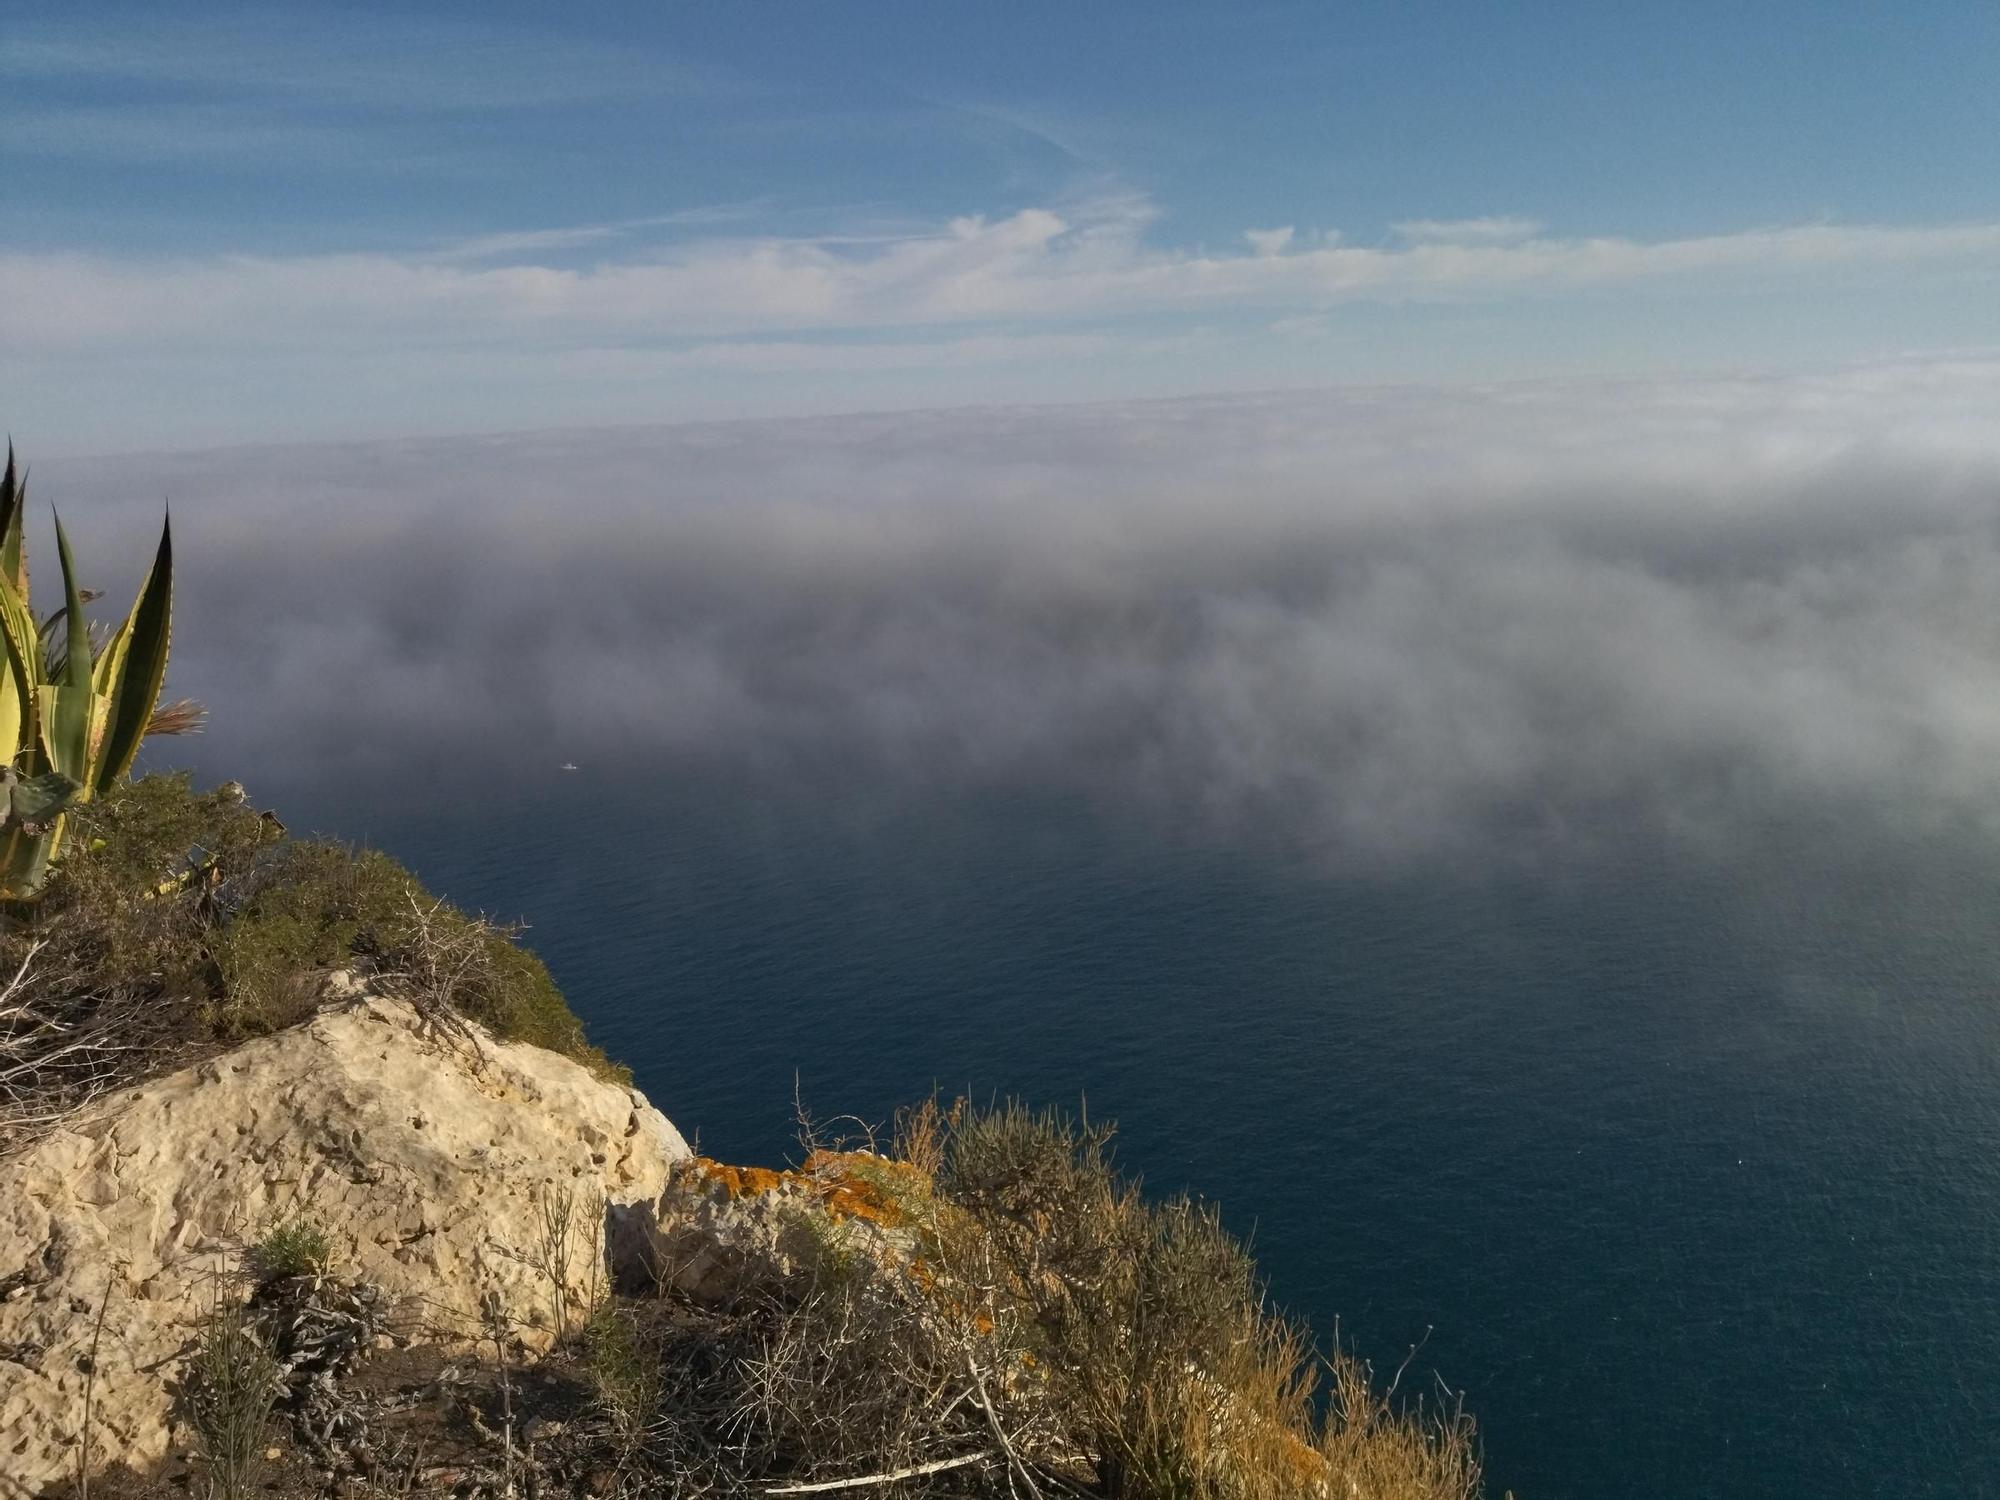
<point>296,1247</point>
<point>232,1384</point>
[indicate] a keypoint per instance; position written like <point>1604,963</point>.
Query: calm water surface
<point>1689,1174</point>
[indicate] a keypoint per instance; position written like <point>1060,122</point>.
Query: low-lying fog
<point>1388,623</point>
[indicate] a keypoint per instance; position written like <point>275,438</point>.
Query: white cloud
<point>519,242</point>
<point>1501,230</point>
<point>1269,241</point>
<point>1034,266</point>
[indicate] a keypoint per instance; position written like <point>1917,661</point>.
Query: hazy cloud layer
<point>1038,265</point>
<point>1387,623</point>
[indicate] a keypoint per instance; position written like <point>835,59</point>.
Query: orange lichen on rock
<point>846,1184</point>
<point>738,1182</point>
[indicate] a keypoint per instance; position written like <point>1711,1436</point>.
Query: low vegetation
<point>1009,1316</point>
<point>296,1247</point>
<point>180,921</point>
<point>983,1308</point>
<point>232,1384</point>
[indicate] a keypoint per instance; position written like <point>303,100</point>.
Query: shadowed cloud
<point>1383,624</point>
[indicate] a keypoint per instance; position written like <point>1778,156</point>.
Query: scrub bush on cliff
<point>182,921</point>
<point>1026,1323</point>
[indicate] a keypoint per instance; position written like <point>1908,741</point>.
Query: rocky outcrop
<point>429,1163</point>
<point>720,1233</point>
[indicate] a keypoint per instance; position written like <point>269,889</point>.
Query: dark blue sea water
<point>1686,1171</point>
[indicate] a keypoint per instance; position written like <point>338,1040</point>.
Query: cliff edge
<point>427,1160</point>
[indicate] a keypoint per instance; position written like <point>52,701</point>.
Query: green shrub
<point>144,831</point>
<point>294,1247</point>
<point>180,919</point>
<point>232,1385</point>
<point>513,995</point>
<point>300,910</point>
<point>623,1362</point>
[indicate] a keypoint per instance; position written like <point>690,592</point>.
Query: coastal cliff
<point>312,1185</point>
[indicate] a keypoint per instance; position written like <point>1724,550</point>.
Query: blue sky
<point>243,224</point>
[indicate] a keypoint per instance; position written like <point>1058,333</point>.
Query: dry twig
<point>887,1476</point>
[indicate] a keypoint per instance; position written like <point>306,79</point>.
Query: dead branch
<point>886,1476</point>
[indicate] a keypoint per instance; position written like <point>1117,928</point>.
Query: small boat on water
<point>568,765</point>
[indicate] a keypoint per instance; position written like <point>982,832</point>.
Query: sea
<point>1684,1177</point>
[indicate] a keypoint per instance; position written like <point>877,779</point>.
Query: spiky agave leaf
<point>13,549</point>
<point>33,808</point>
<point>24,859</point>
<point>17,692</point>
<point>20,680</point>
<point>130,672</point>
<point>65,700</point>
<point>18,677</point>
<point>55,636</point>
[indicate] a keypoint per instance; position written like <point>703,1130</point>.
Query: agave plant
<point>73,707</point>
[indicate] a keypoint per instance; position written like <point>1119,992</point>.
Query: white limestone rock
<point>425,1162</point>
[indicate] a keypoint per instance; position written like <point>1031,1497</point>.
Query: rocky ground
<point>431,1163</point>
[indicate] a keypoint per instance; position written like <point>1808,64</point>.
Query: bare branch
<point>887,1476</point>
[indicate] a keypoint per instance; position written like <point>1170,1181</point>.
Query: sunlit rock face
<point>428,1163</point>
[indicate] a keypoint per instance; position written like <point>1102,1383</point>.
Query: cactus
<point>73,710</point>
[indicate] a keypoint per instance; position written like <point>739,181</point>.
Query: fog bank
<point>1385,624</point>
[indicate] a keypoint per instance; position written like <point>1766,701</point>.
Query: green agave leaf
<point>65,713</point>
<point>16,699</point>
<point>77,663</point>
<point>13,553</point>
<point>111,658</point>
<point>14,710</point>
<point>66,702</point>
<point>103,678</point>
<point>133,669</point>
<point>20,666</point>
